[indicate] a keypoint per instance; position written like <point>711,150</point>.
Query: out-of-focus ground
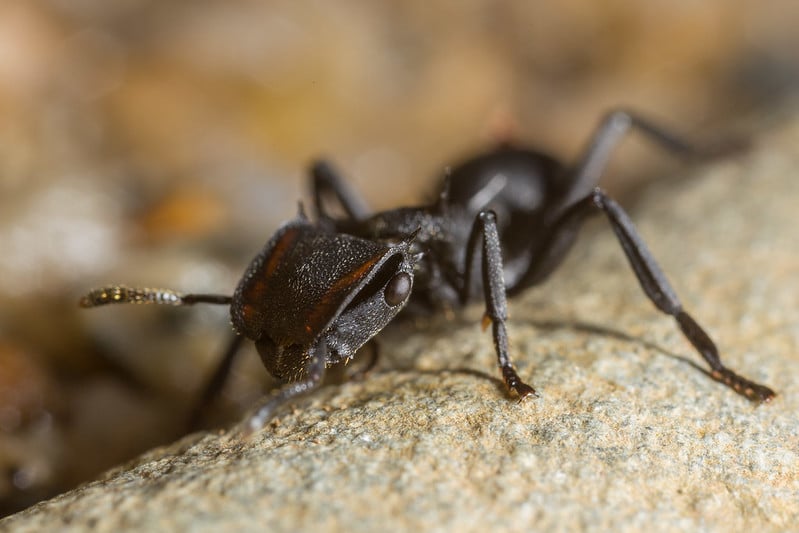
<point>160,143</point>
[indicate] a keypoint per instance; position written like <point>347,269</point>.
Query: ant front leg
<point>611,130</point>
<point>315,369</point>
<point>366,365</point>
<point>650,277</point>
<point>485,230</point>
<point>325,181</point>
<point>215,384</point>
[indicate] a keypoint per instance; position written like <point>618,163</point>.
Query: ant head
<point>309,283</point>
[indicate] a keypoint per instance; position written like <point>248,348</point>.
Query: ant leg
<point>485,229</point>
<point>314,373</point>
<point>650,276</point>
<point>325,180</point>
<point>613,127</point>
<point>121,294</point>
<point>215,384</point>
<point>366,366</point>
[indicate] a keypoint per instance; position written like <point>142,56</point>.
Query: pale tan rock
<point>627,435</point>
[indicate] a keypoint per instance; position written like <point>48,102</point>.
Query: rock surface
<point>628,433</point>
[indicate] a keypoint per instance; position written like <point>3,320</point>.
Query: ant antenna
<point>120,294</point>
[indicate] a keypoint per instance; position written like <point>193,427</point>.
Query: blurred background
<point>160,143</point>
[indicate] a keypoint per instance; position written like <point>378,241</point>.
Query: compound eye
<point>398,289</point>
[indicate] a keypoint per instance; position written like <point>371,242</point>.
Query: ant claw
<point>525,391</point>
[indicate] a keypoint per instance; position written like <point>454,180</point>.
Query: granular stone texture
<point>629,432</point>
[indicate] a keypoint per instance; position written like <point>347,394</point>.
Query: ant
<point>320,290</point>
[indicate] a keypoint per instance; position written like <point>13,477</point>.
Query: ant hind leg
<point>652,281</point>
<point>612,129</point>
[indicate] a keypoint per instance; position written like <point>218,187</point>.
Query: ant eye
<point>398,289</point>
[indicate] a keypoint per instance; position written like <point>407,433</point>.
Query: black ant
<point>319,291</point>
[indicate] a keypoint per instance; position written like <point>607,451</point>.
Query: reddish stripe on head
<point>279,250</point>
<point>259,285</point>
<point>321,314</point>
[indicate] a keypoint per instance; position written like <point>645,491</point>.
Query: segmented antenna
<point>120,294</point>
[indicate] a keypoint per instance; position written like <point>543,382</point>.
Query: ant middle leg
<point>651,278</point>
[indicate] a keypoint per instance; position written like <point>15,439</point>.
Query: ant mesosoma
<point>320,290</point>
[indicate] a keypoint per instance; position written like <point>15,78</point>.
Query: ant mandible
<point>320,290</point>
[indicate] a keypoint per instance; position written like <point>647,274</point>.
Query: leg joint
<point>618,119</point>
<point>487,217</point>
